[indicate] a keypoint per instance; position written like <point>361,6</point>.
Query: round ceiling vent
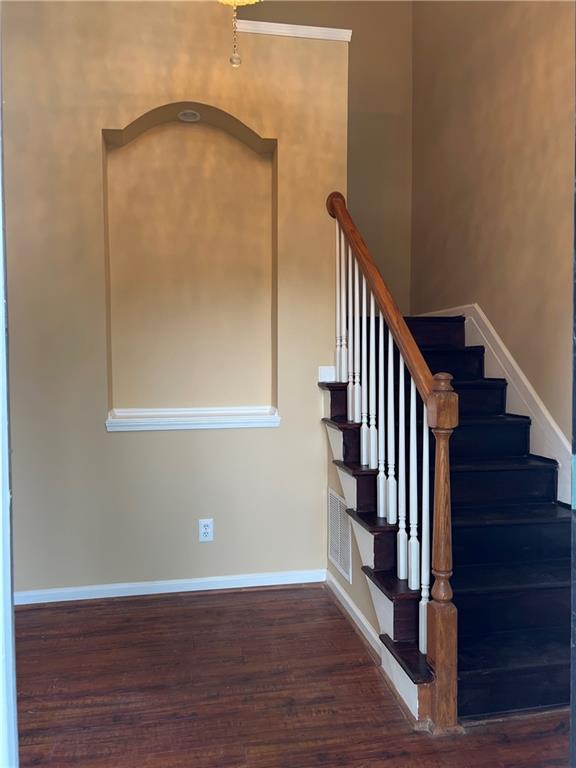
<point>188,116</point>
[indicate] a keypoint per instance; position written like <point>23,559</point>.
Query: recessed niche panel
<point>189,209</point>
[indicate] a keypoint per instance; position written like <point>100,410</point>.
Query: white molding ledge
<point>546,437</point>
<point>294,30</point>
<point>155,419</point>
<point>143,588</point>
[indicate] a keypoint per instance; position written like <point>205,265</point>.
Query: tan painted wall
<point>92,507</point>
<point>379,123</point>
<point>190,250</point>
<point>493,176</point>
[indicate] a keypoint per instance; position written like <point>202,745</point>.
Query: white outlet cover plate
<point>206,530</point>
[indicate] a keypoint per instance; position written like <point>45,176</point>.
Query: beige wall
<point>379,122</point>
<point>493,176</point>
<point>92,507</point>
<point>190,252</point>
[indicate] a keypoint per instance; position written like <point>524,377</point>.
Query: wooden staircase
<point>503,526</point>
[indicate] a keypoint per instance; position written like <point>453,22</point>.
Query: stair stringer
<point>410,693</point>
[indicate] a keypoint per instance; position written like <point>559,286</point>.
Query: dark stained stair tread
<point>410,659</point>
<point>505,463</point>
<point>371,522</point>
<point>517,649</point>
<point>333,386</point>
<point>511,514</point>
<point>390,585</point>
<point>503,577</point>
<point>355,470</point>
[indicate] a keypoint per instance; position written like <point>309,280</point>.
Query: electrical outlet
<point>206,530</point>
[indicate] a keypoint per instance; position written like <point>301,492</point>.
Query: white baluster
<point>373,432</point>
<point>350,390</point>
<point>338,357</point>
<point>357,390</point>
<point>392,485</point>
<point>413,543</point>
<point>364,436</point>
<point>381,482</point>
<point>343,328</point>
<point>402,559</point>
<point>425,578</point>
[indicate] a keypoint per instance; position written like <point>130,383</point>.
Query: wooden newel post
<point>442,615</point>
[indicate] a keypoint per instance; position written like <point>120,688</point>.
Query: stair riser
<point>516,609</point>
<point>430,332</point>
<point>510,543</point>
<point>338,404</point>
<point>503,486</point>
<point>462,364</point>
<point>486,401</point>
<point>490,441</point>
<point>520,689</point>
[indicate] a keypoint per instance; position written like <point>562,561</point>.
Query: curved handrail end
<point>331,199</point>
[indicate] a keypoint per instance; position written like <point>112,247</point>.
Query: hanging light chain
<point>235,59</point>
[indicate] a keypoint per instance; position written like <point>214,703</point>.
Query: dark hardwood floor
<point>256,679</point>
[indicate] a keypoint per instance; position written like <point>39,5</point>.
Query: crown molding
<point>294,30</point>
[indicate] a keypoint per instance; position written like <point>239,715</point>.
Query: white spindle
<point>413,543</point>
<point>390,420</point>
<point>357,391</point>
<point>350,390</point>
<point>364,436</point>
<point>402,559</point>
<point>381,483</point>
<point>343,327</point>
<point>425,577</point>
<point>338,357</point>
<point>373,432</point>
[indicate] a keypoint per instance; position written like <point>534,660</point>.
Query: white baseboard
<point>546,437</point>
<point>355,614</point>
<point>142,588</point>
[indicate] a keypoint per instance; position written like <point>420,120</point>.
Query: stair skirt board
<point>365,541</point>
<point>397,678</point>
<point>336,440</point>
<point>546,437</point>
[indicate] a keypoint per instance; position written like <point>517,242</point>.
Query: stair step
<point>405,603</point>
<point>510,671</point>
<point>434,331</point>
<point>505,596</point>
<point>478,436</point>
<point>481,396</point>
<point>462,364</point>
<point>479,481</point>
<point>394,588</point>
<point>338,398</point>
<point>491,436</point>
<point>410,659</point>
<point>503,480</point>
<point>384,538</point>
<point>513,533</point>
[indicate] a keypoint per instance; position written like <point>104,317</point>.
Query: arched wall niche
<point>190,219</point>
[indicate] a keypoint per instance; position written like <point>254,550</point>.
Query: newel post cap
<point>443,403</point>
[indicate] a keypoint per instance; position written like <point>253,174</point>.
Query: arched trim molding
<point>118,137</point>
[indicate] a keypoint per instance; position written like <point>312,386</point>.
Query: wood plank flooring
<point>273,678</point>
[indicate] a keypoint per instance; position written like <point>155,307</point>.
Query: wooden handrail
<point>442,406</point>
<point>336,205</point>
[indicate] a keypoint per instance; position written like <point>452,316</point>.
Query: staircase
<point>507,534</point>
